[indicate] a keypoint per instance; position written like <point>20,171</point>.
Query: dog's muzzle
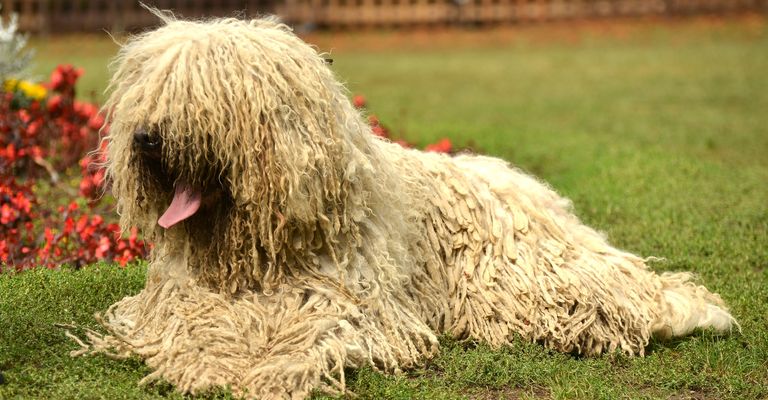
<point>186,199</point>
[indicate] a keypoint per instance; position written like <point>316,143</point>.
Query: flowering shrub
<point>45,140</point>
<point>45,137</point>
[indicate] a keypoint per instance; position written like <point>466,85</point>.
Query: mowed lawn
<point>659,136</point>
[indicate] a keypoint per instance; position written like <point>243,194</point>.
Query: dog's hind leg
<point>685,306</point>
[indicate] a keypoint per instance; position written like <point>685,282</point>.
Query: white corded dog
<point>291,243</point>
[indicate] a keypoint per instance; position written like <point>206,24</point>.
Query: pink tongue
<point>185,203</point>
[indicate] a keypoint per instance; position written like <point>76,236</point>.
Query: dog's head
<point>229,134</point>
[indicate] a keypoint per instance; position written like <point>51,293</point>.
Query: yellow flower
<point>31,90</point>
<point>10,85</point>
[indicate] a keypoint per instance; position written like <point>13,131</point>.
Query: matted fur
<point>321,246</point>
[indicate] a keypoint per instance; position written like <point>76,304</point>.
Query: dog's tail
<point>686,306</point>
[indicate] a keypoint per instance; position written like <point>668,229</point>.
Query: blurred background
<point>605,91</point>
<point>570,90</point>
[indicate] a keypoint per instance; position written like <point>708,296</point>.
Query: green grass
<point>90,52</point>
<point>661,140</point>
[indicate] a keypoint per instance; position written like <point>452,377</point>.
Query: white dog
<point>291,243</point>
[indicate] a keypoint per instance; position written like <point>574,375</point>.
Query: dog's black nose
<point>144,140</point>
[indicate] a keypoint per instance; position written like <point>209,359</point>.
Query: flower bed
<point>54,208</point>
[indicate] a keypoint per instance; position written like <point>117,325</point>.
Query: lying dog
<point>291,243</point>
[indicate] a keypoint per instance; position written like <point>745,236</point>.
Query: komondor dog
<point>291,243</point>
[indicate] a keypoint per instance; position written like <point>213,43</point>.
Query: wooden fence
<point>362,13</point>
<point>53,16</point>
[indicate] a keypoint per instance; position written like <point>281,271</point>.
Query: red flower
<point>96,122</point>
<point>103,247</point>
<point>54,103</point>
<point>379,130</point>
<point>34,127</point>
<point>97,220</point>
<point>21,202</point>
<point>8,153</point>
<point>7,214</point>
<point>442,146</point>
<point>36,152</point>
<point>63,78</point>
<point>69,226</point>
<point>4,250</point>
<point>85,110</point>
<point>24,116</point>
<point>358,101</point>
